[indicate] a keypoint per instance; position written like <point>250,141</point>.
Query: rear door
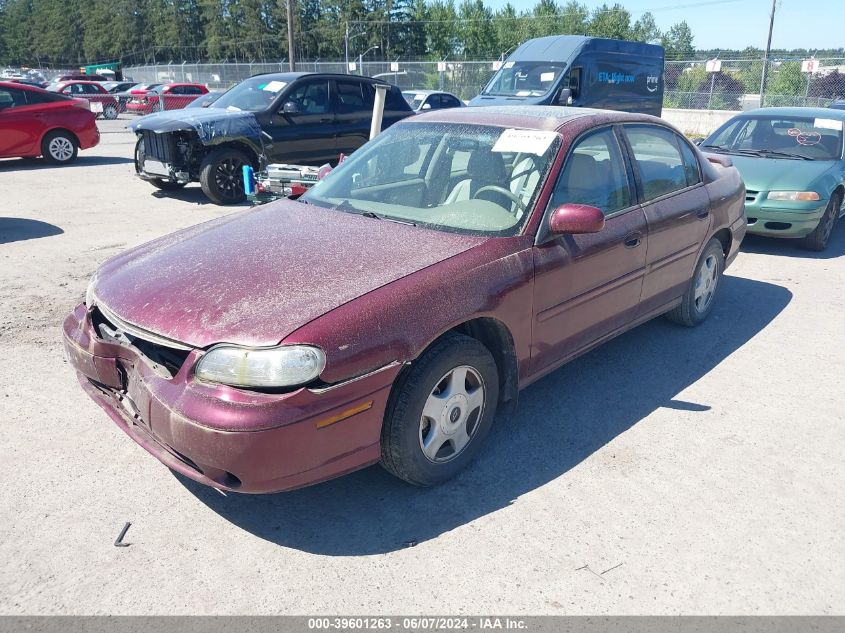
<point>20,124</point>
<point>676,206</point>
<point>588,286</point>
<point>353,104</point>
<point>305,134</point>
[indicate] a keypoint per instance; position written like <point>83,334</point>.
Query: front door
<point>587,286</point>
<point>677,210</point>
<point>303,129</point>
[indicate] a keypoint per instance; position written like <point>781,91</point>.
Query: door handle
<point>633,240</point>
<point>327,120</point>
<point>703,214</point>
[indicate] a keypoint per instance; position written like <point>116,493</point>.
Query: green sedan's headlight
<point>283,366</point>
<point>810,196</point>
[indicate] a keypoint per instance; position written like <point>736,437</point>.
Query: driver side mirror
<point>426,106</point>
<point>291,107</point>
<point>576,218</point>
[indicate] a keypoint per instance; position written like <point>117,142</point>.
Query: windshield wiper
<point>767,152</point>
<point>721,148</point>
<point>775,152</point>
<point>376,216</point>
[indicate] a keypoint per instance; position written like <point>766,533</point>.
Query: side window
<point>90,89</point>
<point>594,174</point>
<point>434,102</point>
<point>449,101</point>
<point>177,90</point>
<point>10,98</point>
<point>658,160</point>
<point>394,100</point>
<point>312,97</point>
<point>574,82</point>
<point>691,168</point>
<point>192,90</point>
<point>34,98</point>
<point>350,97</point>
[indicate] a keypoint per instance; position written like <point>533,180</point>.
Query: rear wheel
<point>701,294</point>
<point>221,176</point>
<point>59,147</point>
<point>819,238</point>
<point>439,412</point>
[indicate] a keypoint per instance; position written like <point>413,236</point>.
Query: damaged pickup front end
<point>208,146</point>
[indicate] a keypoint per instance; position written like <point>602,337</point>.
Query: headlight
<point>284,366</point>
<point>793,195</point>
<point>90,299</point>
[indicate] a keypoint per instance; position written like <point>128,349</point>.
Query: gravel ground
<point>670,471</point>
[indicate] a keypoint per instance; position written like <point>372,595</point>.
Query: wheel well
<point>496,337</point>
<point>724,237</point>
<point>241,147</point>
<point>841,190</point>
<point>60,129</point>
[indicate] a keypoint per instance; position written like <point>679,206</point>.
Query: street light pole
<point>361,58</point>
<point>766,56</point>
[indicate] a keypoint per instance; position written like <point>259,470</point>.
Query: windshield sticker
<point>274,86</point>
<point>544,77</point>
<point>524,141</point>
<point>508,65</point>
<point>827,124</point>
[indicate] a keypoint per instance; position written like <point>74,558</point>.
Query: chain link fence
<point>736,86</point>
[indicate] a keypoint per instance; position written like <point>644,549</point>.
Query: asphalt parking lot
<point>671,471</point>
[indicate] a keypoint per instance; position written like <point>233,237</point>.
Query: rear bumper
<point>89,136</point>
<point>229,438</point>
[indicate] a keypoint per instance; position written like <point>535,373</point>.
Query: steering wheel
<point>520,205</point>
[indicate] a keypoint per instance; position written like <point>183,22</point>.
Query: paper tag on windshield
<point>827,124</point>
<point>274,86</point>
<point>524,141</point>
<point>544,77</point>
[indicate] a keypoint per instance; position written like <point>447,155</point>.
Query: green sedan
<point>793,163</point>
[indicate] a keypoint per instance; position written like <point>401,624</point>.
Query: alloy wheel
<point>60,148</point>
<point>229,178</point>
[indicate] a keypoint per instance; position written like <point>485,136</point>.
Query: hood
<point>775,174</point>
<point>254,277</point>
<point>492,100</point>
<point>211,125</point>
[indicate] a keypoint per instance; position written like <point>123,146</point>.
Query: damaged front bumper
<point>224,437</point>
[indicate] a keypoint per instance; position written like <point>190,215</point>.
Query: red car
<point>34,122</point>
<point>102,103</point>
<point>167,97</point>
<point>389,312</point>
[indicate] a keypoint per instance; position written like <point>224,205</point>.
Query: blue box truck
<point>590,72</point>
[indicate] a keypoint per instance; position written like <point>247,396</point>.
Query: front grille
<point>751,195</point>
<point>159,146</point>
<point>166,360</point>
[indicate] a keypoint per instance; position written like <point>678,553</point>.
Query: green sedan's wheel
<point>819,238</point>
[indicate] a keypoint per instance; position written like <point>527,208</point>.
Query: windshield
<point>254,94</point>
<point>472,179</point>
<point>786,137</point>
<point>524,79</point>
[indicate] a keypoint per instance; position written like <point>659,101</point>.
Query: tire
<point>110,112</point>
<point>221,176</point>
<point>819,238</point>
<point>700,296</point>
<point>59,147</point>
<point>419,391</point>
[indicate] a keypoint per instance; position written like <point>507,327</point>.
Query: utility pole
<point>766,55</point>
<point>291,5</point>
<point>346,47</point>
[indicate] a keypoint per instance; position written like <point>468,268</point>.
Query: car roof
<point>530,117</point>
<point>426,92</point>
<point>12,84</point>
<point>293,76</point>
<point>818,113</point>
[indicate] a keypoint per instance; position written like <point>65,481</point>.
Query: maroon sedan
<point>166,97</point>
<point>34,122</point>
<point>388,313</point>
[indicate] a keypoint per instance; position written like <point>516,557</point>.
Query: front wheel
<point>439,412</point>
<point>59,147</point>
<point>819,238</point>
<point>698,300</point>
<point>110,112</point>
<point>221,176</point>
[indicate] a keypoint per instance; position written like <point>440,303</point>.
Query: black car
<point>299,118</point>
